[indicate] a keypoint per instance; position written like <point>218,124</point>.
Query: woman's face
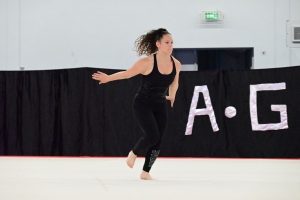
<point>165,44</point>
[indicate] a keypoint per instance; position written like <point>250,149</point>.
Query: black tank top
<point>155,84</point>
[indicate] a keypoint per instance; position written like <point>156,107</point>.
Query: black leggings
<point>152,117</point>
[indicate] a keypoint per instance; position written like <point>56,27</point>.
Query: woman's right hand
<point>101,77</point>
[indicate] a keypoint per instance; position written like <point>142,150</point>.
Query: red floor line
<point>162,157</point>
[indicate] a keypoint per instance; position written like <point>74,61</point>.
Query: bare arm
<point>174,86</point>
<point>138,68</point>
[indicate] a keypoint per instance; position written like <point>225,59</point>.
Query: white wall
<point>55,34</point>
<point>294,50</point>
<point>3,34</point>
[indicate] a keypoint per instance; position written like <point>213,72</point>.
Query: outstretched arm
<point>174,86</point>
<point>137,68</point>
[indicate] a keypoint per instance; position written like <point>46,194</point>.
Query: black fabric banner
<point>67,113</point>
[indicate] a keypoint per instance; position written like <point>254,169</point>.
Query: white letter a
<point>204,111</point>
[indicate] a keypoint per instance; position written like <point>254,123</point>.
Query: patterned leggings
<point>152,117</point>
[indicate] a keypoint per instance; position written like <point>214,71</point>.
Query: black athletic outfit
<point>150,110</point>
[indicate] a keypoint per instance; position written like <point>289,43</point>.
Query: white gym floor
<point>64,178</point>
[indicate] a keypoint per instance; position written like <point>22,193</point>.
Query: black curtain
<point>65,112</point>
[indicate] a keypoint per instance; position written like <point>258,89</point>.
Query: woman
<point>160,72</point>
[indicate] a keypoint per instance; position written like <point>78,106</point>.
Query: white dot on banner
<point>230,111</point>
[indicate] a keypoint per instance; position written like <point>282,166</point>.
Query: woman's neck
<point>163,56</point>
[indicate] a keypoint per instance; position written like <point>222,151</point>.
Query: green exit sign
<point>211,15</point>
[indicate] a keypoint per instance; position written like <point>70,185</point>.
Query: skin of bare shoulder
<point>177,64</point>
<point>141,66</point>
<point>147,64</point>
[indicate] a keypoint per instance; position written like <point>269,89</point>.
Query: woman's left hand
<point>171,99</point>
<point>101,77</point>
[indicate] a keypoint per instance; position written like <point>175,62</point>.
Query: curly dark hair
<point>146,44</point>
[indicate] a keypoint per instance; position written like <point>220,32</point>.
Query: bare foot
<point>131,159</point>
<point>146,176</point>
